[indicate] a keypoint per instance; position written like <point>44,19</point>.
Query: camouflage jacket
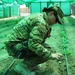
<point>35,29</point>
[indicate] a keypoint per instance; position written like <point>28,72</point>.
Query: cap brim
<point>59,19</point>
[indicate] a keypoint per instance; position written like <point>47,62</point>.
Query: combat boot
<point>23,70</point>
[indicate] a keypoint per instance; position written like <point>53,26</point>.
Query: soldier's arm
<point>36,38</point>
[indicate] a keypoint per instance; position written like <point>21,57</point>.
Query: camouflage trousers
<point>36,66</point>
<point>16,49</point>
<point>34,63</point>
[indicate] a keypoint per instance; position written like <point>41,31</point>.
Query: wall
<point>37,7</point>
<point>1,11</point>
<point>8,11</point>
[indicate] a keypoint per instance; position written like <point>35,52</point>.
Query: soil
<point>60,67</point>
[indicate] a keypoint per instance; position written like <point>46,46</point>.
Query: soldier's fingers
<point>59,54</point>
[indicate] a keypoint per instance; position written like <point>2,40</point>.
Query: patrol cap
<point>57,12</point>
<point>60,13</point>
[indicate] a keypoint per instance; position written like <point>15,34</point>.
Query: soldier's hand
<point>57,56</point>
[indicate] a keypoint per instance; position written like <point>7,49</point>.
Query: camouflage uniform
<point>34,29</point>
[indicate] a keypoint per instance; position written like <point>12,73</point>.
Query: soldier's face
<point>51,18</point>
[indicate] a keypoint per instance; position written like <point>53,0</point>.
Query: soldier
<point>27,40</point>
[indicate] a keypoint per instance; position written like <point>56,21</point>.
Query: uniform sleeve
<point>37,36</point>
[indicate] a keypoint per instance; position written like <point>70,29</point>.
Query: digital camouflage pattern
<point>34,29</point>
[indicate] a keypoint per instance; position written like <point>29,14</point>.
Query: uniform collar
<point>45,17</point>
<point>46,20</point>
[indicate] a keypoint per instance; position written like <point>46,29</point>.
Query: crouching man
<point>27,41</point>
